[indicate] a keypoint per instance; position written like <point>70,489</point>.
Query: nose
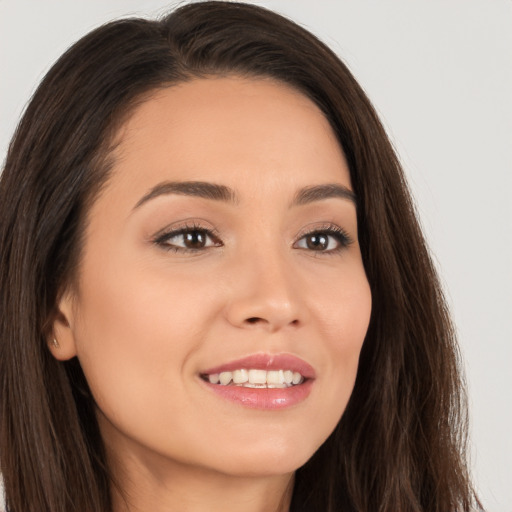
<point>265,294</point>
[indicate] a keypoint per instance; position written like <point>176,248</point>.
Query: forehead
<point>219,129</point>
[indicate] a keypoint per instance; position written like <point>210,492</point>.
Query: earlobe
<point>61,340</point>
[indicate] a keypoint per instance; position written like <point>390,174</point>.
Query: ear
<point>61,340</point>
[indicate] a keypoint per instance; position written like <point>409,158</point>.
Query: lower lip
<point>264,398</point>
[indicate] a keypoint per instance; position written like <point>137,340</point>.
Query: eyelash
<point>163,239</point>
<point>329,230</point>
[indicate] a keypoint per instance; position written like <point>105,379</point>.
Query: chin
<point>278,458</point>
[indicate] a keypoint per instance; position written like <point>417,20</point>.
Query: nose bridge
<point>264,291</point>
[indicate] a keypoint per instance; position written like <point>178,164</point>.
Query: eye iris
<point>194,239</point>
<point>317,242</point>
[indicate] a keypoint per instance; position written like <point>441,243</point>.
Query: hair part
<point>400,445</point>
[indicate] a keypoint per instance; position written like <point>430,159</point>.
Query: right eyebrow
<point>190,188</point>
<point>326,191</point>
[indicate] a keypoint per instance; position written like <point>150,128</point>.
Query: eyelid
<point>179,228</point>
<point>188,224</point>
<point>328,228</point>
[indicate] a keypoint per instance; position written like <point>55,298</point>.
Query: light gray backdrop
<point>440,74</point>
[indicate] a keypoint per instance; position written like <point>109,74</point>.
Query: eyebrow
<point>320,192</point>
<point>190,188</point>
<point>216,192</point>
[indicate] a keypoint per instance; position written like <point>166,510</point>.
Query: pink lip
<point>264,398</point>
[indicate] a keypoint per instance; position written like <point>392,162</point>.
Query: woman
<point>215,293</point>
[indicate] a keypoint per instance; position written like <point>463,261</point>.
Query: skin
<point>147,317</point>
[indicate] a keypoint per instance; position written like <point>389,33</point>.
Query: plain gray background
<point>440,74</point>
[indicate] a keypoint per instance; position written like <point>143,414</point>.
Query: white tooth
<point>240,376</point>
<point>288,376</point>
<point>258,376</point>
<point>297,377</point>
<point>225,378</point>
<point>275,377</point>
<point>272,386</point>
<point>213,378</point>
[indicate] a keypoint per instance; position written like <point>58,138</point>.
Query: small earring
<point>55,343</point>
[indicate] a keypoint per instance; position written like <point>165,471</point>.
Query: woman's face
<point>223,248</point>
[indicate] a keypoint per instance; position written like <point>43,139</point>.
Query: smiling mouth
<point>270,382</point>
<point>256,378</point>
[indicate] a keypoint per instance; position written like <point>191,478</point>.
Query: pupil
<point>316,242</point>
<point>194,239</point>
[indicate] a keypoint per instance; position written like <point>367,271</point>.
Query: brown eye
<point>325,240</point>
<point>317,241</point>
<point>194,239</point>
<point>188,239</point>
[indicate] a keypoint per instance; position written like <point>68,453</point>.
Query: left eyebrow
<point>320,192</point>
<point>201,189</point>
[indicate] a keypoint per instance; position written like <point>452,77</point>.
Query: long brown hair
<point>400,445</point>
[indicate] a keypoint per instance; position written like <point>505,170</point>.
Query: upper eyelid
<point>323,227</point>
<point>178,228</point>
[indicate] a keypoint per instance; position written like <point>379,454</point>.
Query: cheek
<point>135,330</point>
<point>343,316</point>
<point>342,306</point>
<point>351,324</point>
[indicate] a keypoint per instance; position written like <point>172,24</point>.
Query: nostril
<point>256,320</point>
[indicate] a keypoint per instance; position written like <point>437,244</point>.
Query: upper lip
<point>266,362</point>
